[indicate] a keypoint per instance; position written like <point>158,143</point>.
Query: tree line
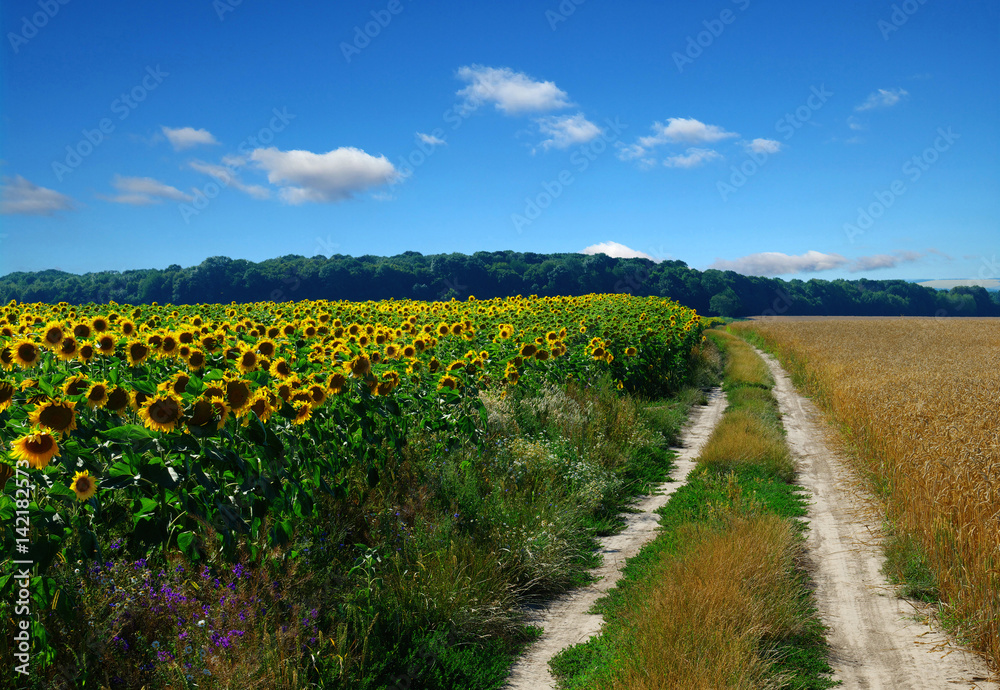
<point>412,275</point>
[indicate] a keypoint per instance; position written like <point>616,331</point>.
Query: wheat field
<point>920,400</point>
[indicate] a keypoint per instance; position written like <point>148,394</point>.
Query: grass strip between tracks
<point>719,598</point>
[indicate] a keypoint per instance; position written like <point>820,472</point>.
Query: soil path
<point>877,639</point>
<point>566,620</point>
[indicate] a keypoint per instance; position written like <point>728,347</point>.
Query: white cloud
<point>677,130</point>
<point>777,263</point>
<point>187,137</point>
<point>883,98</point>
<point>680,130</point>
<point>431,139</point>
<point>143,191</point>
<point>692,158</point>
<point>566,130</point>
<point>878,261</point>
<point>763,146</point>
<point>323,177</point>
<point>616,250</point>
<point>856,124</point>
<point>19,196</point>
<point>227,176</point>
<point>511,92</point>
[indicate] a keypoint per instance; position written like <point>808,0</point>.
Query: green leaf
<point>187,541</point>
<point>128,432</point>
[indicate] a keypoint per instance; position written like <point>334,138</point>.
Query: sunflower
<point>359,366</point>
<point>82,331</point>
<point>266,347</point>
<point>127,327</point>
<point>247,361</point>
<point>105,345</point>
<point>118,401</point>
<point>76,385</point>
<point>542,355</point>
<point>67,349</point>
<point>528,350</point>
<point>303,411</point>
<point>317,393</point>
<point>137,352</point>
<point>237,395</point>
<point>434,365</point>
<point>86,353</point>
<point>97,395</point>
<point>409,351</point>
<point>26,353</point>
<point>53,334</point>
<point>162,412</point>
<point>206,411</point>
<point>630,351</point>
<point>176,384</point>
<point>6,395</point>
<point>196,360</point>
<point>6,359</point>
<point>169,345</point>
<point>83,485</point>
<point>99,324</point>
<point>336,384</point>
<point>448,382</point>
<point>260,406</point>
<point>36,448</point>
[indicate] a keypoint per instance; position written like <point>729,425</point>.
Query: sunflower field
<point>210,428</point>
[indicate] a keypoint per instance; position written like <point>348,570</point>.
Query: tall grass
<point>717,599</point>
<point>919,402</point>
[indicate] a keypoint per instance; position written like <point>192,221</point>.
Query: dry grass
<point>743,436</point>
<point>743,366</point>
<point>921,399</point>
<point>700,624</point>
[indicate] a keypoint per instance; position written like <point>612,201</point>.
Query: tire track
<point>566,620</point>
<point>877,639</point>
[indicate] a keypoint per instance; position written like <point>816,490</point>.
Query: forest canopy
<point>412,275</point>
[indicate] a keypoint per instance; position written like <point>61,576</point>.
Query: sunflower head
<point>97,395</point>
<point>359,366</point>
<point>6,396</point>
<point>53,334</point>
<point>36,448</point>
<point>137,352</point>
<point>83,485</point>
<point>162,412</point>
<point>238,394</point>
<point>118,401</point>
<point>26,353</point>
<point>207,411</point>
<point>337,383</point>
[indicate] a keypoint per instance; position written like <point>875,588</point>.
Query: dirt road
<point>566,620</point>
<point>878,640</point>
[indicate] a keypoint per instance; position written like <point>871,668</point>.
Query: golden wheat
<point>921,400</point>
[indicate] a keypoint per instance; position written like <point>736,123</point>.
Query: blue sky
<point>852,139</point>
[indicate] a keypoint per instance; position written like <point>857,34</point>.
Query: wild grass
<point>717,599</point>
<point>918,401</point>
